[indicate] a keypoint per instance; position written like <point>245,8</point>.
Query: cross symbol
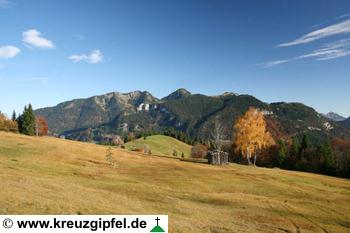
<point>157,219</point>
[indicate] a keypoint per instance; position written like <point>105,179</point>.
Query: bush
<point>175,153</point>
<point>117,141</point>
<point>7,125</point>
<point>147,149</point>
<point>199,151</point>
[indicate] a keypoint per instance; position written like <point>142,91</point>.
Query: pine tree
<point>27,125</point>
<point>327,158</point>
<point>19,123</point>
<point>282,153</point>
<point>305,143</point>
<point>14,117</point>
<point>295,148</point>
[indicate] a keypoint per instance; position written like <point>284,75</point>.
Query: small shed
<point>217,157</point>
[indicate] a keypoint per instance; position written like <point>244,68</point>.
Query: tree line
<point>26,123</point>
<point>171,132</point>
<point>253,144</point>
<point>331,157</point>
<point>252,140</point>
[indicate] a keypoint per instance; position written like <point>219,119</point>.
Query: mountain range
<point>334,116</point>
<point>100,117</point>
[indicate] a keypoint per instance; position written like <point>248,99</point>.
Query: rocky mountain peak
<point>178,94</point>
<point>334,116</point>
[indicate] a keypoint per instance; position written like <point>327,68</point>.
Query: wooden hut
<point>217,157</point>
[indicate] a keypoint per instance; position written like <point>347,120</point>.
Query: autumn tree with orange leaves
<point>7,124</point>
<point>41,126</point>
<point>251,134</point>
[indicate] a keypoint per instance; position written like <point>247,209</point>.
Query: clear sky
<point>295,51</point>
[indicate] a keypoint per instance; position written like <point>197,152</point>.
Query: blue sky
<point>294,51</point>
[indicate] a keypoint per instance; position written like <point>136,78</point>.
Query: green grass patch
<point>162,145</point>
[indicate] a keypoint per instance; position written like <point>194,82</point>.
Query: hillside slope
<point>94,111</point>
<point>346,122</point>
<point>162,145</point>
<point>66,177</point>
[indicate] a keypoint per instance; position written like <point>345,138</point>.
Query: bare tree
<point>217,135</point>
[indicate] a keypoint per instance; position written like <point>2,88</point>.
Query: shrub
<point>147,149</point>
<point>7,124</point>
<point>199,151</point>
<point>117,141</point>
<point>175,153</point>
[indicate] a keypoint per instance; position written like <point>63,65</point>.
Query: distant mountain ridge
<point>93,111</point>
<point>334,116</point>
<point>115,113</point>
<point>346,122</point>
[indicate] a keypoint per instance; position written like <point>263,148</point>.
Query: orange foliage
<point>251,134</point>
<point>199,151</point>
<point>339,144</point>
<point>42,127</point>
<point>7,125</point>
<point>275,128</point>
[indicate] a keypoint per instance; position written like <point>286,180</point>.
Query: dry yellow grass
<point>54,176</point>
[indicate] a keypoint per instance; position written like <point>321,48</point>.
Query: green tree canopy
<point>27,121</point>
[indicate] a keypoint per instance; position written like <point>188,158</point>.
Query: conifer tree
<point>27,121</point>
<point>305,143</point>
<point>295,148</point>
<point>19,123</point>
<point>326,153</point>
<point>282,153</point>
<point>14,117</point>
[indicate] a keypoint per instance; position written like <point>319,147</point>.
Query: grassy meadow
<point>55,176</point>
<point>162,145</point>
